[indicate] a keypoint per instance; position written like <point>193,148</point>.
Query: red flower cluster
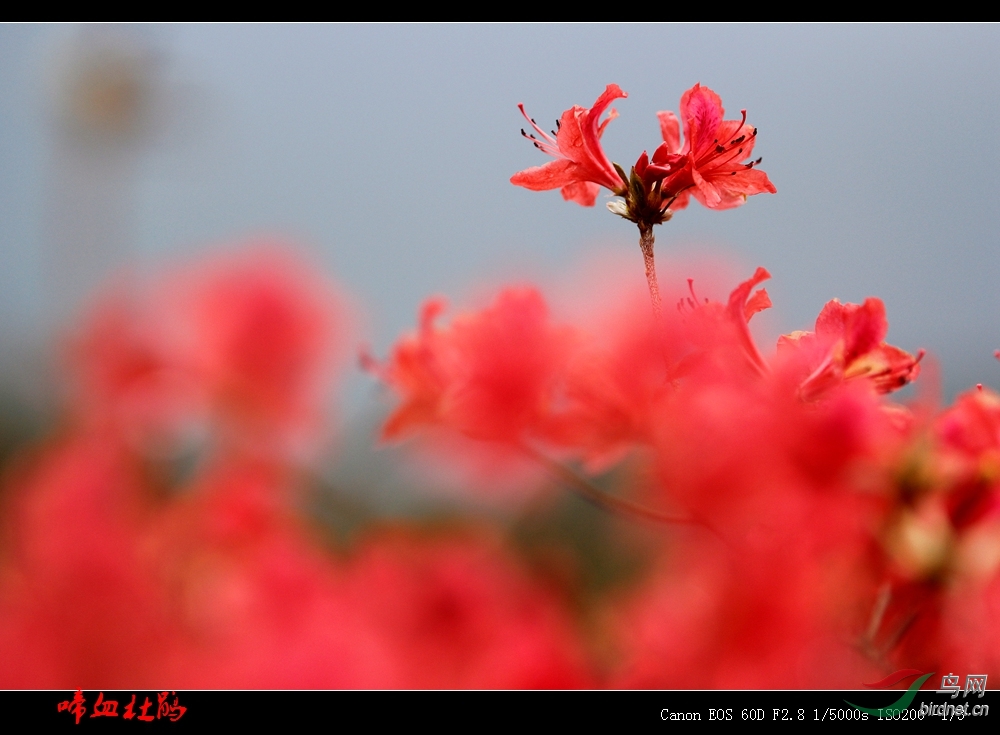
<point>712,164</point>
<point>157,539</point>
<point>240,347</point>
<point>829,533</point>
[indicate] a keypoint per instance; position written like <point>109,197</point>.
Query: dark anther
<point>558,124</point>
<point>537,146</point>
<point>748,166</point>
<point>738,140</point>
<point>759,160</point>
<point>740,150</point>
<point>554,132</point>
<point>755,131</point>
<point>524,133</point>
<point>720,149</point>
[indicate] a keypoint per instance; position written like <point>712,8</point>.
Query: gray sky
<point>387,150</point>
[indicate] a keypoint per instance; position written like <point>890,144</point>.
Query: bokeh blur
<point>202,228</point>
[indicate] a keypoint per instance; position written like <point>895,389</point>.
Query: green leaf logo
<point>900,704</point>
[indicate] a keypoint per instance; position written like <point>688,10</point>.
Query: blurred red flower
<point>849,342</point>
<point>266,331</point>
<point>244,345</point>
<point>457,612</point>
<point>491,375</point>
<point>80,603</point>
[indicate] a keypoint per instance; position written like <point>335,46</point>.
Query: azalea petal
<point>579,140</point>
<point>862,327</point>
<point>739,297</point>
<point>702,112</point>
<point>853,335</point>
<point>583,193</point>
<point>570,136</point>
<point>867,328</point>
<point>681,201</point>
<point>612,114</point>
<point>641,164</point>
<point>888,367</point>
<point>553,175</point>
<point>728,190</point>
<point>706,192</point>
<point>591,132</point>
<point>670,130</point>
<point>411,414</point>
<point>431,309</point>
<point>734,188</point>
<point>745,182</point>
<point>758,302</point>
<point>831,319</point>
<point>662,157</point>
<point>654,172</point>
<point>739,302</point>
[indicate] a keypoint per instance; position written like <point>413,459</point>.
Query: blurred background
<point>385,151</point>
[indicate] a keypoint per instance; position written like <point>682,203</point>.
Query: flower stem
<point>600,498</point>
<point>646,245</point>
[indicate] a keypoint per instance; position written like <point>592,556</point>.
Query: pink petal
<point>670,130</point>
<point>641,164</point>
<point>728,190</point>
<point>612,114</point>
<point>832,319</point>
<point>590,129</point>
<point>758,302</point>
<point>681,201</point>
<point>738,306</point>
<point>583,193</point>
<point>570,136</point>
<point>867,328</point>
<point>706,192</point>
<point>701,111</point>
<point>553,175</point>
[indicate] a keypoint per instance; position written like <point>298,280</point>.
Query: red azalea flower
<point>477,391</point>
<point>79,600</point>
<point>491,374</point>
<point>581,167</point>
<point>849,343</point>
<point>708,617</point>
<point>131,368</point>
<point>265,332</point>
<point>629,363</point>
<point>246,341</point>
<point>458,611</point>
<point>714,151</point>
